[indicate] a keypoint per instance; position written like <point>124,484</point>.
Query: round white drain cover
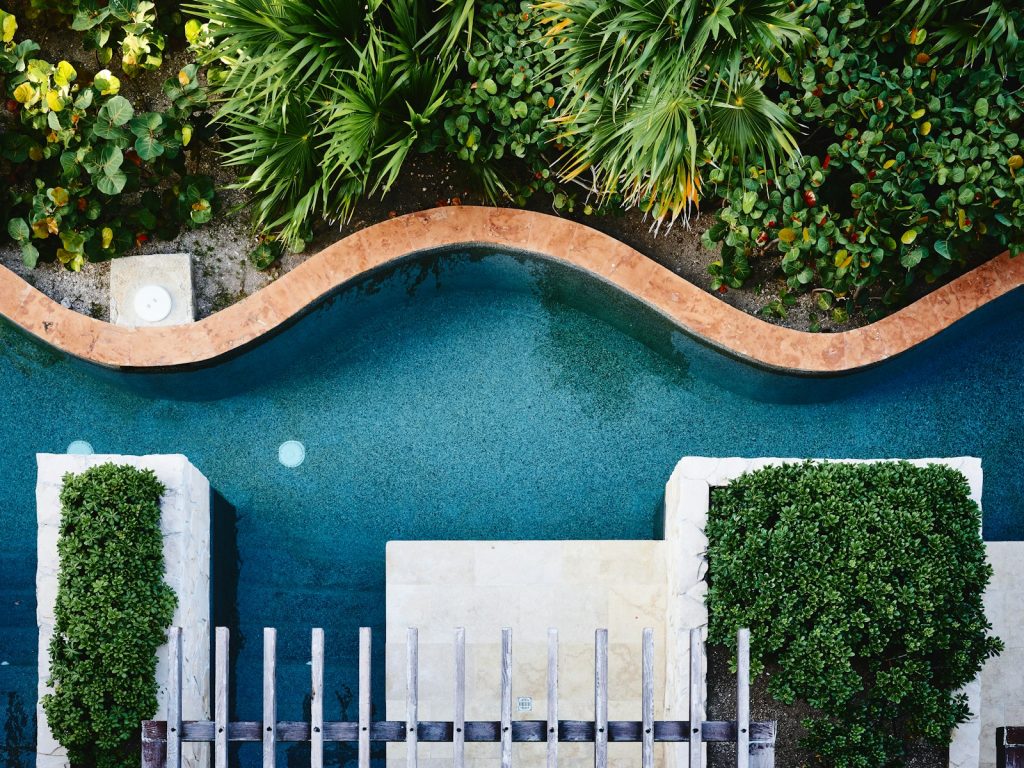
<point>80,448</point>
<point>291,453</point>
<point>152,303</point>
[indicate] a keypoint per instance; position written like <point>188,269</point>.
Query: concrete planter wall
<point>185,523</point>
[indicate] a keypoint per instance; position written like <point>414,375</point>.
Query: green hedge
<point>862,586</point>
<point>113,608</point>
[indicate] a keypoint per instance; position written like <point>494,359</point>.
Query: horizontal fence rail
<point>162,739</point>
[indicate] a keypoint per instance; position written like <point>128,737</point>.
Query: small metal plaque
<point>524,704</point>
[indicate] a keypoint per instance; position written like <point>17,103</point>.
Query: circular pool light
<point>152,303</point>
<point>80,448</point>
<point>291,453</point>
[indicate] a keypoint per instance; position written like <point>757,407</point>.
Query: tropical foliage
<point>911,164</point>
<point>660,92</point>
<point>111,614</point>
<point>91,176</point>
<point>862,586</point>
<point>322,99</point>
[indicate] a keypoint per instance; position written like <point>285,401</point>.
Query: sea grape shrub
<point>134,27</point>
<point>862,587</point>
<point>104,178</point>
<point>501,110</point>
<point>111,614</point>
<point>911,165</point>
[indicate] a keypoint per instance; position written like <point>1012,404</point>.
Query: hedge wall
<point>113,608</point>
<point>862,586</point>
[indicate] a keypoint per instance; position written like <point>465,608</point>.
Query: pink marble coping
<point>694,310</point>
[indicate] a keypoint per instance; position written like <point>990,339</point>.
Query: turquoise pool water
<point>477,395</point>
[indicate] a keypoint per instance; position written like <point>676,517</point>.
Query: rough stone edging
<point>687,501</point>
<point>696,311</point>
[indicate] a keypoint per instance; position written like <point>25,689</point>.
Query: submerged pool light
<point>80,448</point>
<point>291,453</point>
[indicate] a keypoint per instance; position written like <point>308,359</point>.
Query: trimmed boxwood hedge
<point>862,586</point>
<point>112,611</point>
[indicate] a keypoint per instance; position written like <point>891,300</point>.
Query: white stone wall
<point>1001,686</point>
<point>185,524</point>
<point>687,500</point>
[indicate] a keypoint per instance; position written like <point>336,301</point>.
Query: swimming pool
<point>467,395</point>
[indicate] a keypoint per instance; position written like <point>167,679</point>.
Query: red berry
<point>82,204</point>
<point>828,159</point>
<point>12,105</point>
<point>141,238</point>
<point>871,174</point>
<point>723,289</point>
<point>810,198</point>
<point>762,238</point>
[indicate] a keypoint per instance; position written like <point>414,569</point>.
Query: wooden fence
<point>1009,747</point>
<point>162,739</point>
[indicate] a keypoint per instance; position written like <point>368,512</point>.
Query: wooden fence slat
<point>220,699</point>
<point>647,697</point>
<point>412,670</point>
<point>743,698</point>
<point>269,697</point>
<point>762,747</point>
<point>696,699</point>
<point>365,699</point>
<point>601,698</point>
<point>576,731</point>
<point>316,700</point>
<point>506,698</point>
<point>161,740</point>
<point>459,723</point>
<point>552,734</point>
<point>174,665</point>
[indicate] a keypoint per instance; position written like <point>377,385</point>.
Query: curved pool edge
<point>696,312</point>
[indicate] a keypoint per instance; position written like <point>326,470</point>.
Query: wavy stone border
<point>696,311</point>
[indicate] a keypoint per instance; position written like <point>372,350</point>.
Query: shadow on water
<point>19,745</point>
<point>225,568</point>
<point>574,346</point>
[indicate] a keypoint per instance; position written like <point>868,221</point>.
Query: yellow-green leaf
<point>787,235</point>
<point>888,164</point>
<point>108,84</point>
<point>917,114</point>
<point>8,26</point>
<point>909,236</point>
<point>24,93</point>
<point>186,134</point>
<point>53,101</point>
<point>1015,162</point>
<point>192,30</point>
<point>106,237</point>
<point>843,258</point>
<point>926,128</point>
<point>65,74</point>
<point>58,195</point>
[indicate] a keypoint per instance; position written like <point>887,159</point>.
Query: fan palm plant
<point>985,29</point>
<point>661,88</point>
<point>323,100</point>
